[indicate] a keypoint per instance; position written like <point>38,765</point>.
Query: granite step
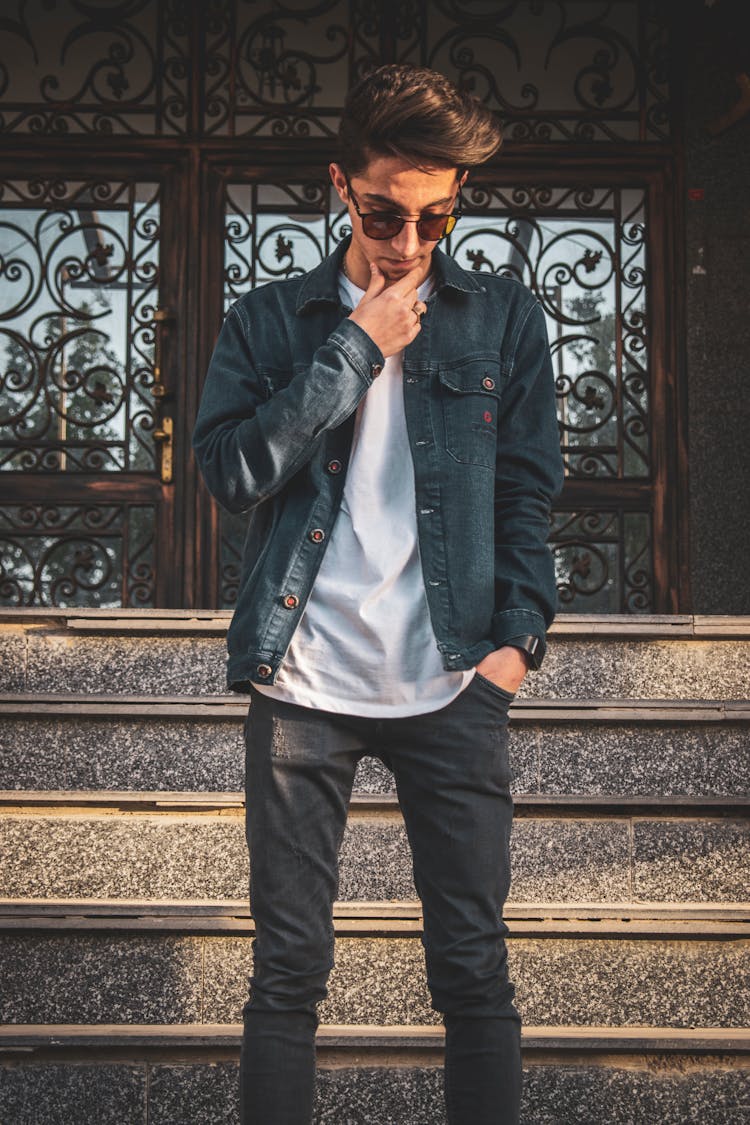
<point>589,748</point>
<point>654,657</point>
<point>125,936</point>
<point>369,1075</point>
<point>558,854</point>
<point>695,977</point>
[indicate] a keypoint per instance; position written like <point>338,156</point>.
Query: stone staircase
<point>124,924</point>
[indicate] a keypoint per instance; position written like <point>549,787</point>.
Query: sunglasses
<point>386,224</point>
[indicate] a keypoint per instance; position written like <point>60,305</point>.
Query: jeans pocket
<point>506,696</point>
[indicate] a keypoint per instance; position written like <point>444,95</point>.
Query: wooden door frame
<point>23,161</point>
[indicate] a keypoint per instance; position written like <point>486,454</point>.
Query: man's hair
<point>417,114</point>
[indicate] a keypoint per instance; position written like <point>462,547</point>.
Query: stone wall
<point>718,336</point>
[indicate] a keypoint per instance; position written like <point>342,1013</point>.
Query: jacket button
<point>334,466</point>
<point>264,670</point>
<point>291,601</point>
<point>376,369</point>
<point>317,535</point>
<point>488,384</point>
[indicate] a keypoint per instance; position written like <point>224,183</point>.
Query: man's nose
<point>407,243</point>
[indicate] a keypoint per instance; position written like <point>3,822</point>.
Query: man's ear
<point>339,181</point>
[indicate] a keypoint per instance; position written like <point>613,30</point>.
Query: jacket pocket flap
<point>477,375</point>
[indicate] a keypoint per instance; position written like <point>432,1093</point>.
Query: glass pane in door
<point>76,326</point>
<point>80,288</point>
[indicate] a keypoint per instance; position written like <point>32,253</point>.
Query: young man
<point>387,422</point>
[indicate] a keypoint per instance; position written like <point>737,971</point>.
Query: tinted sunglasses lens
<point>433,229</point>
<point>381,226</point>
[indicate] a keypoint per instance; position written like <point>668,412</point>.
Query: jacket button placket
<point>429,528</point>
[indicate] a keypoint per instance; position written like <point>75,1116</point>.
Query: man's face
<point>390,184</point>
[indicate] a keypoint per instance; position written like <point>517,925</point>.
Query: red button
<point>264,670</point>
<point>317,535</point>
<point>291,601</point>
<point>488,384</point>
<point>487,416</point>
<point>334,466</point>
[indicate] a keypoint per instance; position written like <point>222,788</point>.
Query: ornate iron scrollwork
<point>603,561</point>
<point>582,251</point>
<point>80,264</point>
<point>283,71</point>
<point>81,389</point>
<point>77,555</point>
<point>96,68</point>
<point>553,70</point>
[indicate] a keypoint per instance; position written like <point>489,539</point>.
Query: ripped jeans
<point>453,778</point>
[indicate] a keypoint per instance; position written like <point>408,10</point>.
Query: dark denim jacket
<point>274,431</point>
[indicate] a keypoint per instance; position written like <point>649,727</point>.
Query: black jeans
<point>453,781</point>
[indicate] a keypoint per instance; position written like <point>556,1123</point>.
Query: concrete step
<point>232,916</point>
<point>633,748</point>
<point>369,1075</point>
<point>691,977</point>
<point>653,657</point>
<point>153,852</point>
<point>362,800</point>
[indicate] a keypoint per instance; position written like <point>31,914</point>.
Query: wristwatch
<point>529,645</point>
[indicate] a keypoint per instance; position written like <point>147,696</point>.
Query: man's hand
<point>387,315</point>
<point>506,667</point>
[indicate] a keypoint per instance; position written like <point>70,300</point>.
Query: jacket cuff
<point>508,624</point>
<point>360,349</point>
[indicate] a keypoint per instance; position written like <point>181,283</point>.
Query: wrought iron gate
<point>158,163</point>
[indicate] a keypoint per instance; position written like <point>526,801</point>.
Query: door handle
<point>164,436</point>
<point>164,432</point>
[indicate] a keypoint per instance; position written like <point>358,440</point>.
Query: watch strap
<point>529,644</point>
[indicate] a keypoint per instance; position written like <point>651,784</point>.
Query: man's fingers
<point>377,281</point>
<point>408,281</point>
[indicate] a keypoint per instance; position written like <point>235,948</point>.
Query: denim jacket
<point>274,432</point>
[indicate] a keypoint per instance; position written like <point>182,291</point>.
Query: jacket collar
<point>321,283</point>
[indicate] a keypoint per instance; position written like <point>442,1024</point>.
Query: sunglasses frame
<point>455,215</point>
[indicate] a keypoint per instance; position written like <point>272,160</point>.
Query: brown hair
<point>417,114</point>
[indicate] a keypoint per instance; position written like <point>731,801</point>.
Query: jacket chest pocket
<point>470,393</point>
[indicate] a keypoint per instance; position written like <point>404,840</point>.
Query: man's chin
<point>394,272</point>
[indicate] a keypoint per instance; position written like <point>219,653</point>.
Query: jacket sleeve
<point>528,477</point>
<point>248,445</point>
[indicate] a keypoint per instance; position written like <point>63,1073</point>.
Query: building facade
<point>160,158</point>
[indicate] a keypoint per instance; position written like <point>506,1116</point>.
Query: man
<point>387,422</point>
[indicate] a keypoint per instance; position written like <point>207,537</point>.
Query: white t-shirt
<point>364,644</point>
